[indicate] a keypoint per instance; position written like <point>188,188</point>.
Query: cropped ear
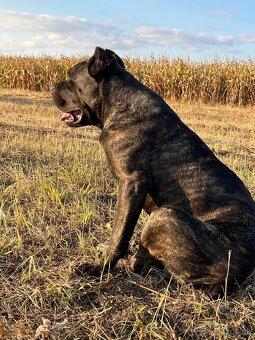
<point>100,63</point>
<point>117,58</point>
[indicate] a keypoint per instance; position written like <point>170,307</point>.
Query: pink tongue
<point>65,116</point>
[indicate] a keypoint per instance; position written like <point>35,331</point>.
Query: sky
<point>182,28</point>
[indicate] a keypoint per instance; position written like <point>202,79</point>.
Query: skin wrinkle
<point>199,209</point>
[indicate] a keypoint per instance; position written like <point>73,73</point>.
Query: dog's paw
<point>89,269</point>
<point>132,265</point>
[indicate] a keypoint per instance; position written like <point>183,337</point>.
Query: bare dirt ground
<point>57,203</point>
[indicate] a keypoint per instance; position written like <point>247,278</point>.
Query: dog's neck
<point>111,101</point>
<point>104,104</point>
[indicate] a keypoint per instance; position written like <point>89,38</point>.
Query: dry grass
<point>57,202</point>
<point>216,81</point>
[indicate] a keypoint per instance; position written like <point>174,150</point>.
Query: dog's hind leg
<point>191,250</point>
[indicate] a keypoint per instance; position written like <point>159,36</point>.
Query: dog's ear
<point>100,63</point>
<point>117,58</point>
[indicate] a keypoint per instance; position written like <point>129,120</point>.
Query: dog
<point>201,226</point>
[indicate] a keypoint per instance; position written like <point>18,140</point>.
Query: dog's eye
<point>80,90</point>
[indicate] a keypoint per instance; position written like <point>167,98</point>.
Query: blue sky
<point>190,29</point>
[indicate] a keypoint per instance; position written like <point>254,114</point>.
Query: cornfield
<point>226,82</point>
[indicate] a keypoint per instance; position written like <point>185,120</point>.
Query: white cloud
<point>171,37</point>
<point>23,32</point>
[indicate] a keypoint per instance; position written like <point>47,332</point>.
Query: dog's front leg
<point>131,197</point>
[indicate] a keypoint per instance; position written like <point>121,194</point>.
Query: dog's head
<point>77,96</point>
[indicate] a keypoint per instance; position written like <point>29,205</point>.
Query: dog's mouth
<point>72,118</point>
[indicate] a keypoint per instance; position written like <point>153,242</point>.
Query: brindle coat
<point>202,217</point>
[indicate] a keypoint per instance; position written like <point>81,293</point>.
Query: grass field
<point>57,202</point>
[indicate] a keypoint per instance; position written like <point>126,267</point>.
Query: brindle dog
<point>202,217</point>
